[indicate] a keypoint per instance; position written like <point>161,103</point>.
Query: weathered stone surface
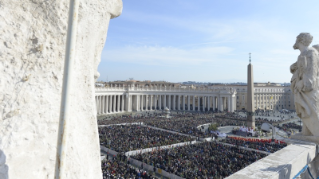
<point>304,84</point>
<point>283,164</point>
<point>32,47</point>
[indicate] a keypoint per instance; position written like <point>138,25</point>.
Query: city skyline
<point>163,41</point>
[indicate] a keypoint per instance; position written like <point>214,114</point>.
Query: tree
<point>213,127</point>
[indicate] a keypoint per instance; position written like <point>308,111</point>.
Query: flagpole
<point>60,168</point>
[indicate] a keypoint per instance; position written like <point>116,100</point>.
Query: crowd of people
<point>118,167</point>
<point>290,125</point>
<point>201,160</point>
<point>258,144</point>
<point>123,138</point>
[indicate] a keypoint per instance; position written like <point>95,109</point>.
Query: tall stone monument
<point>305,86</point>
<point>250,96</point>
<point>32,55</point>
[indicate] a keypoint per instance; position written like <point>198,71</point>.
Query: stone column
<point>142,102</point>
<point>123,103</point>
<point>209,104</point>
<point>228,105</point>
<point>98,105</point>
<point>183,102</point>
<point>106,104</point>
<point>155,102</point>
<point>204,103</point>
<point>151,102</point>
<point>164,96</point>
<point>118,103</point>
<point>220,103</point>
<point>146,102</point>
<point>179,102</point>
<point>174,102</point>
<point>193,103</point>
<point>224,102</point>
<point>188,103</point>
<point>137,103</point>
<point>160,102</point>
<point>110,104</point>
<point>114,103</point>
<point>130,103</point>
<point>169,102</point>
<point>198,103</point>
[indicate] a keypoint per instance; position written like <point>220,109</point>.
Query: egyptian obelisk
<point>250,96</point>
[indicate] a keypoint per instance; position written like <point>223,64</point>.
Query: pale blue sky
<point>206,40</point>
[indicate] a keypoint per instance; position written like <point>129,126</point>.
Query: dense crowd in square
<point>258,144</point>
<point>202,160</point>
<point>117,167</point>
<point>123,138</point>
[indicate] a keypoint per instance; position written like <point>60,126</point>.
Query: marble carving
<point>304,84</point>
<point>32,49</point>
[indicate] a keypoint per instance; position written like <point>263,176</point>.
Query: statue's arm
<point>310,72</point>
<point>293,67</point>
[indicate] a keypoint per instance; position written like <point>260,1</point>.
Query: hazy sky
<point>206,40</point>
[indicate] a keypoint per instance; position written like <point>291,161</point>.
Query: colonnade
<point>106,104</point>
<point>128,102</point>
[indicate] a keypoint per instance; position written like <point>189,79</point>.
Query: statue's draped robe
<point>305,73</point>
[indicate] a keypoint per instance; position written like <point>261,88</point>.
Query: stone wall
<point>32,49</point>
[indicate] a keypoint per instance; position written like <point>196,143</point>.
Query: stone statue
<point>32,55</point>
<point>304,84</point>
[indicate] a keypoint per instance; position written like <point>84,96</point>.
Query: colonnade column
<point>164,96</point>
<point>209,104</point>
<point>204,103</point>
<point>103,104</point>
<point>99,109</point>
<point>97,105</point>
<point>107,104</point>
<point>183,102</point>
<point>155,102</point>
<point>137,102</point>
<point>228,98</point>
<point>123,103</point>
<point>151,102</point>
<point>198,103</point>
<point>118,103</point>
<point>169,102</point>
<point>220,103</point>
<point>188,103</point>
<point>146,102</point>
<point>129,103</point>
<point>193,103</point>
<point>142,102</point>
<point>174,102</point>
<point>179,102</point>
<point>114,103</point>
<point>110,106</point>
<point>160,102</point>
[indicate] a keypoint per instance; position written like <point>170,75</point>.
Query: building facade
<point>144,98</point>
<point>267,96</point>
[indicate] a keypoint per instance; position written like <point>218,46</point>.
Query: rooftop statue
<point>304,84</point>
